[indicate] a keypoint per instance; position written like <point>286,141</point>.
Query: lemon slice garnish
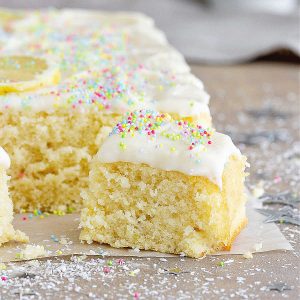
<point>9,16</point>
<point>23,73</point>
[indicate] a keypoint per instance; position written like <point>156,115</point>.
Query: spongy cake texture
<point>135,205</point>
<point>7,232</point>
<point>50,154</point>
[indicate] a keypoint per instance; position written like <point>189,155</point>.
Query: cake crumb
<point>257,246</point>
<point>258,190</point>
<point>32,252</point>
<point>136,250</point>
<point>163,259</point>
<point>248,255</point>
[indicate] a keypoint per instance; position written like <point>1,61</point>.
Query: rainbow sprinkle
<point>152,124</point>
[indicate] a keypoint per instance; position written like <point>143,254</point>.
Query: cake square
<point>165,185</point>
<point>7,232</point>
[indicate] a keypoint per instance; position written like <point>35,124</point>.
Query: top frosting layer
<point>149,137</point>
<point>118,90</point>
<point>4,159</point>
<point>114,61</point>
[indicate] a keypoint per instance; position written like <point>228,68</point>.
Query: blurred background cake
<point>66,77</point>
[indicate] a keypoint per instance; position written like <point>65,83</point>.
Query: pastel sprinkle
<point>121,261</point>
<point>54,238</point>
<point>122,146</point>
<point>152,124</point>
<point>110,263</point>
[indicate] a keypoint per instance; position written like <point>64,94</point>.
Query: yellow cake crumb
<point>137,206</point>
<point>32,252</point>
<point>248,255</point>
<point>7,232</point>
<point>50,155</point>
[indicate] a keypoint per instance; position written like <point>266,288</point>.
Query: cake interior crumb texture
<point>135,205</point>
<point>7,232</point>
<point>50,153</point>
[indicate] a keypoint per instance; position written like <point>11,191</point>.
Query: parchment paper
<point>52,230</point>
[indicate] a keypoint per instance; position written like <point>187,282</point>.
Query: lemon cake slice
<point>69,75</point>
<point>22,73</point>
<point>165,185</point>
<point>7,232</point>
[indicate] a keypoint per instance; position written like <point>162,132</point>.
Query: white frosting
<point>152,90</point>
<point>4,159</point>
<point>208,160</point>
<point>182,107</point>
<point>46,102</point>
<point>80,40</point>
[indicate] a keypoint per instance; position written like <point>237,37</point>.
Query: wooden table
<point>246,100</point>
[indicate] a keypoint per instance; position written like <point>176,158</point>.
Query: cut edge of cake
<point>7,232</point>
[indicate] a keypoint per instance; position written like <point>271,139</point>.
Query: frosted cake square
<point>166,185</point>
